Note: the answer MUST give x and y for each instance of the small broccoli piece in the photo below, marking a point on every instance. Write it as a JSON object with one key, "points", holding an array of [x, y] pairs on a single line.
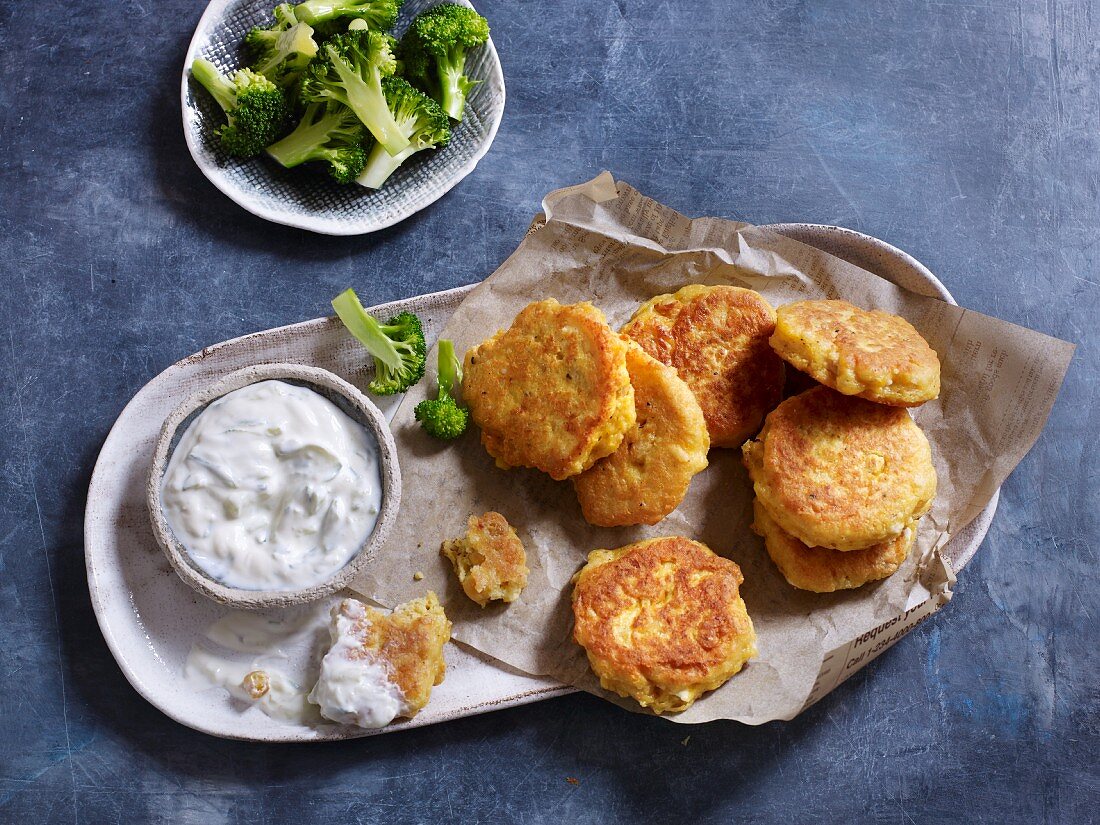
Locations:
{"points": [[328, 133], [397, 346], [379, 14], [433, 52], [441, 417], [282, 52], [421, 121], [254, 106], [349, 69]]}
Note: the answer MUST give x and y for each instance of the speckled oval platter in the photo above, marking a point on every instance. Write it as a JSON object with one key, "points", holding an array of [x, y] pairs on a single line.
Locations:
{"points": [[306, 198], [151, 619]]}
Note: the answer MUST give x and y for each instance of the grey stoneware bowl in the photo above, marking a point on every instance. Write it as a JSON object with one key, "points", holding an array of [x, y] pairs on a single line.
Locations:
{"points": [[307, 198], [343, 395]]}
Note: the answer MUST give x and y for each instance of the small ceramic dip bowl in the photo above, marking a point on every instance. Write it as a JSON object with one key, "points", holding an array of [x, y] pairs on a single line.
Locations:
{"points": [[348, 399]]}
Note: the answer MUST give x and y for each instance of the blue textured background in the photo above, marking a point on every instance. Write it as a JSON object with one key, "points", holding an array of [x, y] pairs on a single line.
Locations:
{"points": [[966, 134]]}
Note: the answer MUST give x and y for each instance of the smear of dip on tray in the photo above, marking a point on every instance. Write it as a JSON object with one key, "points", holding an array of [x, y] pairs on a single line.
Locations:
{"points": [[265, 660], [261, 683], [272, 487]]}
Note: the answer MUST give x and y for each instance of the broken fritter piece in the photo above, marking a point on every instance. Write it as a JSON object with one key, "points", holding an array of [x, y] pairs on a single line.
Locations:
{"points": [[381, 665], [489, 560]]}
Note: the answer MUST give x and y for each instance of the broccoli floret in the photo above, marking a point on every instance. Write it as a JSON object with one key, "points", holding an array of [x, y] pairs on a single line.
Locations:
{"points": [[329, 133], [421, 121], [282, 52], [379, 14], [329, 28], [349, 69], [254, 106], [433, 52], [397, 346], [441, 417]]}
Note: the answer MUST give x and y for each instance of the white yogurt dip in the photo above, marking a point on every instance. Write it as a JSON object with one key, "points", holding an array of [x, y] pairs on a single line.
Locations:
{"points": [[354, 688], [272, 487], [261, 684]]}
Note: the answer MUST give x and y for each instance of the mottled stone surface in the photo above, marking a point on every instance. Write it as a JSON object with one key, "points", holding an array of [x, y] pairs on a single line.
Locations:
{"points": [[967, 134]]}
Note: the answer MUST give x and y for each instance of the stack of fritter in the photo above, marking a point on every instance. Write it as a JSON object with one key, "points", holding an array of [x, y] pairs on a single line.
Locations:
{"points": [[841, 472]]}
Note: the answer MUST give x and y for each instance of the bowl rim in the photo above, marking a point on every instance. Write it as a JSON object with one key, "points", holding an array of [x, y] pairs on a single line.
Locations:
{"points": [[369, 416], [323, 226]]}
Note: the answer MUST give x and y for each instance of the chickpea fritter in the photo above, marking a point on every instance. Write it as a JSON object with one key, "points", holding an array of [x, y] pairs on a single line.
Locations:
{"points": [[866, 352], [662, 621], [647, 477], [716, 337], [822, 569], [551, 392], [489, 560], [838, 471]]}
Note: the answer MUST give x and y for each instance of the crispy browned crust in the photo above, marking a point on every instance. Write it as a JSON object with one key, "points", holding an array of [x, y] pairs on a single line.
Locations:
{"points": [[647, 477], [489, 560], [662, 620], [822, 569], [551, 392], [409, 642], [838, 471], [717, 339], [869, 353]]}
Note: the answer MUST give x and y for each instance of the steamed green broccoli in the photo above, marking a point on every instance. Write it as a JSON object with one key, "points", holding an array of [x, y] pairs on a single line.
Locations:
{"points": [[441, 417], [282, 52], [433, 52], [329, 28], [421, 121], [254, 106], [397, 346], [329, 133], [379, 14], [349, 69]]}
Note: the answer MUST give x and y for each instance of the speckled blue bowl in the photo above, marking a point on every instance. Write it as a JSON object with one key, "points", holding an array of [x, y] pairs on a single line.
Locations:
{"points": [[309, 199]]}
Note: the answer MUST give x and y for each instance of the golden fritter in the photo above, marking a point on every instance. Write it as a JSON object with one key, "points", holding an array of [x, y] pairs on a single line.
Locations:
{"points": [[382, 665], [552, 391], [662, 621], [822, 569], [489, 560], [838, 471], [869, 353], [717, 339], [410, 640], [646, 478]]}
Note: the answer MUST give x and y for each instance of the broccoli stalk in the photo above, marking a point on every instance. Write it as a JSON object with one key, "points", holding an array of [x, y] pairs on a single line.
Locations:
{"points": [[282, 52], [379, 14], [329, 133], [420, 120], [453, 83], [441, 417], [434, 53], [349, 69], [254, 106], [397, 346]]}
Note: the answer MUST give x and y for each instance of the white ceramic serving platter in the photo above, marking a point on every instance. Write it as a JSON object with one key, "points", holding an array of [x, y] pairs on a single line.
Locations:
{"points": [[151, 619], [307, 198]]}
